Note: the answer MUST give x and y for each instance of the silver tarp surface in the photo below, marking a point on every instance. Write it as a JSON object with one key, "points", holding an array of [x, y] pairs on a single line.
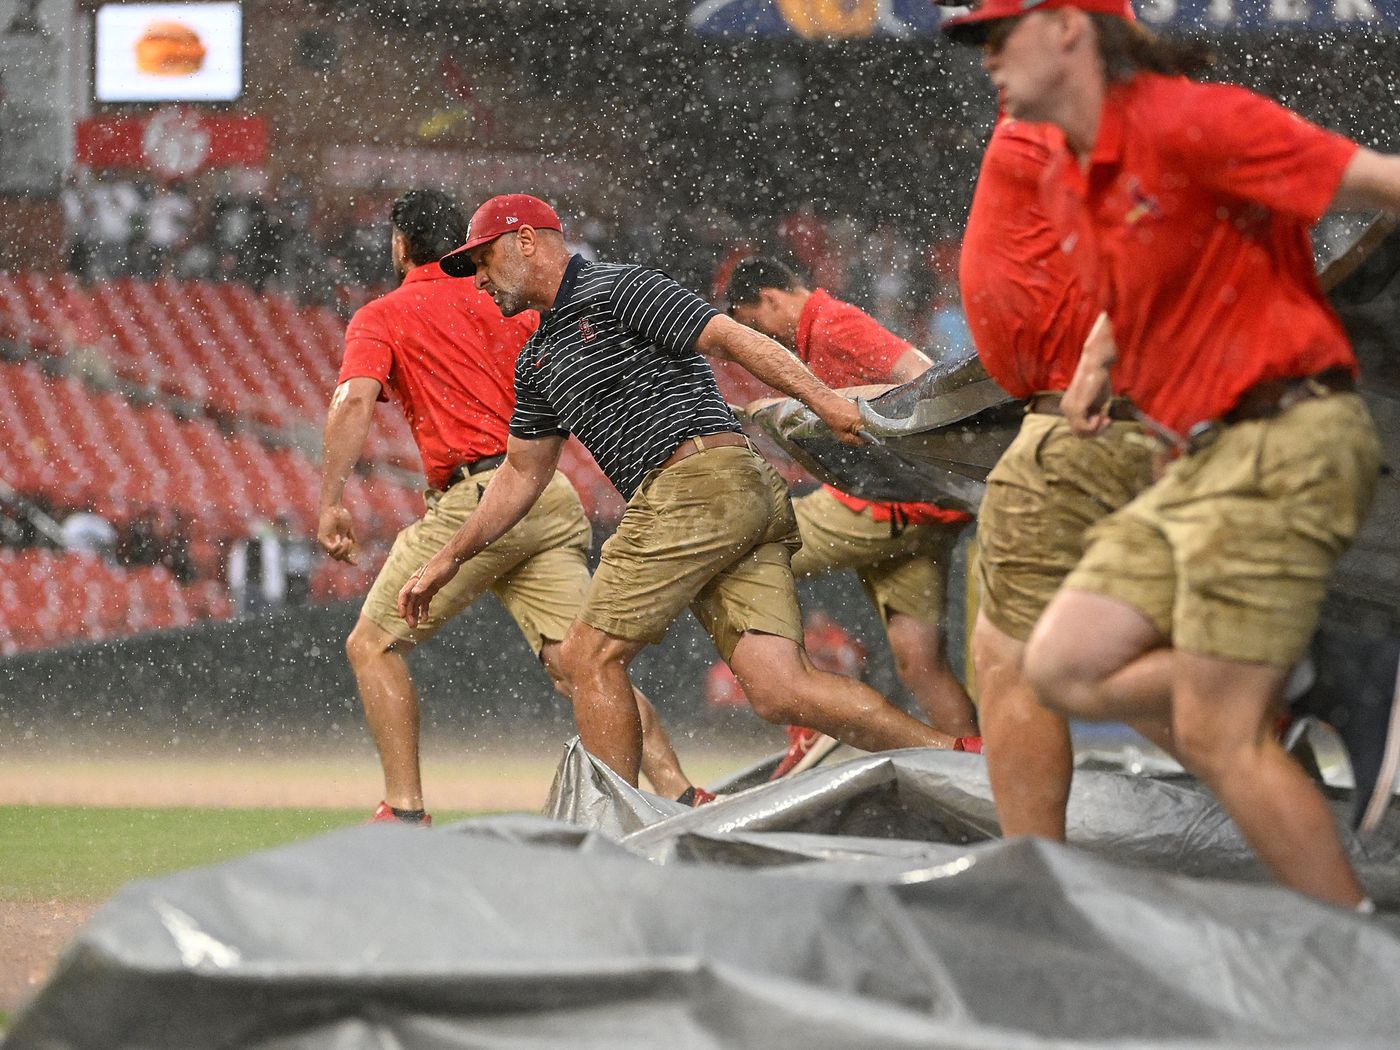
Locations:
{"points": [[859, 905]]}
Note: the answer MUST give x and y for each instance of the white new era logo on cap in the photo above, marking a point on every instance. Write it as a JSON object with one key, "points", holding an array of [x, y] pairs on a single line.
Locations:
{"points": [[511, 219]]}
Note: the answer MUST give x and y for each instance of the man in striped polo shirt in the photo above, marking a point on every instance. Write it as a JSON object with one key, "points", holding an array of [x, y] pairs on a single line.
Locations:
{"points": [[617, 361], [447, 355]]}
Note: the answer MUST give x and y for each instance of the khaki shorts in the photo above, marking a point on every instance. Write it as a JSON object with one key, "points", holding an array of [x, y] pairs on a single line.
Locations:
{"points": [[1229, 554], [1047, 489], [905, 572], [716, 533], [538, 570]]}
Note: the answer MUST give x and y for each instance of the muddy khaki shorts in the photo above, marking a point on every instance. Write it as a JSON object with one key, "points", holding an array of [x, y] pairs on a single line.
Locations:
{"points": [[1230, 552], [538, 570], [714, 532], [1047, 489], [904, 571]]}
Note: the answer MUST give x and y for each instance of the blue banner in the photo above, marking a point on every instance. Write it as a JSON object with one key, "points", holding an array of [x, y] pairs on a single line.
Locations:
{"points": [[1269, 15], [815, 19], [839, 19]]}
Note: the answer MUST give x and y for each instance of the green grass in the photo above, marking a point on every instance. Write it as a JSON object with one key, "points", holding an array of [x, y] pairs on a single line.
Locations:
{"points": [[86, 853]]}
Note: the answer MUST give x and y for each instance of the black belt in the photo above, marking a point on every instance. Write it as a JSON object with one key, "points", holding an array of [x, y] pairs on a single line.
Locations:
{"points": [[1267, 399], [481, 466], [1271, 398], [1119, 408]]}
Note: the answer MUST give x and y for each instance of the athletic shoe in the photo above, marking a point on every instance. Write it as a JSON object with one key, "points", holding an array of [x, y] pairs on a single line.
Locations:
{"points": [[1355, 692], [806, 747], [384, 814], [971, 744], [695, 796]]}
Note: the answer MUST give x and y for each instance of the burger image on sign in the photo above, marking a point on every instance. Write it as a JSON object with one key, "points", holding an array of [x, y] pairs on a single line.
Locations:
{"points": [[169, 49]]}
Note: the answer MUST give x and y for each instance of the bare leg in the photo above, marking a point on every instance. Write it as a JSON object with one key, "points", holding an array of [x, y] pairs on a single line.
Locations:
{"points": [[1030, 761], [1221, 716], [605, 705], [784, 688], [660, 764], [1100, 659], [390, 702], [1224, 719], [918, 659]]}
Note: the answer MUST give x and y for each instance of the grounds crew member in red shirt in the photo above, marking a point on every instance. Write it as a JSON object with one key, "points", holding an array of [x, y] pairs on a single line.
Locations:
{"points": [[1029, 314], [900, 551], [617, 361], [1189, 205], [446, 353]]}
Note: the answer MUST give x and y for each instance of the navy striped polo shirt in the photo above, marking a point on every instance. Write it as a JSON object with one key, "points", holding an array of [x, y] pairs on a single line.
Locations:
{"points": [[614, 362]]}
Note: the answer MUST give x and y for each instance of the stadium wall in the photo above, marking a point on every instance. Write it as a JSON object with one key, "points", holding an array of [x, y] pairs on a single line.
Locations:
{"points": [[285, 675]]}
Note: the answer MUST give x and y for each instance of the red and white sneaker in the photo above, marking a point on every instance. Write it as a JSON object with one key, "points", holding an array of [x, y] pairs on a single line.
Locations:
{"points": [[384, 814], [695, 796], [971, 744], [806, 747]]}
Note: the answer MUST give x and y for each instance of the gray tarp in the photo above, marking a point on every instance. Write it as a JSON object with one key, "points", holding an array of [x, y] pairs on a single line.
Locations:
{"points": [[859, 905]]}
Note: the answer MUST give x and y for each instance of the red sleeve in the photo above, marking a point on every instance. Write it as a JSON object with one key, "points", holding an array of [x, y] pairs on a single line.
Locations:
{"points": [[1018, 153], [1249, 147], [877, 348], [860, 347], [368, 354]]}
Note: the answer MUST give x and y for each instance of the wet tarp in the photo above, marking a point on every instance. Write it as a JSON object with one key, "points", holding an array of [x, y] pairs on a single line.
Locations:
{"points": [[935, 437], [859, 905]]}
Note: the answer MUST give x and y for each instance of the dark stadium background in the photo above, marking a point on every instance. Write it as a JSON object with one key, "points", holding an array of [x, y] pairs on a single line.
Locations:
{"points": [[657, 144]]}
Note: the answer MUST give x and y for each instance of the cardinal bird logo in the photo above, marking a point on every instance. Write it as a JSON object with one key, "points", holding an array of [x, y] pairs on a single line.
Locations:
{"points": [[1144, 206]]}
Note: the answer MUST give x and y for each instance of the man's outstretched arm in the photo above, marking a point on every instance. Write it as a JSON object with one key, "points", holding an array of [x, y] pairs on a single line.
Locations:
{"points": [[1370, 182], [510, 494], [347, 426], [726, 339]]}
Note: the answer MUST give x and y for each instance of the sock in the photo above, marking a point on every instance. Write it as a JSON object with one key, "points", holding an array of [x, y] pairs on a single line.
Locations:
{"points": [[409, 816], [1366, 907]]}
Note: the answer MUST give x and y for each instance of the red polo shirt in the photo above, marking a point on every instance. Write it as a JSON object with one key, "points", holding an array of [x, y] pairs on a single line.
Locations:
{"points": [[444, 350], [845, 346], [1026, 306], [1195, 210]]}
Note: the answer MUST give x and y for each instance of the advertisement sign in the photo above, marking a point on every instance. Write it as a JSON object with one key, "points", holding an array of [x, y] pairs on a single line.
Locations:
{"points": [[845, 19], [814, 19], [173, 142], [168, 52], [1270, 15]]}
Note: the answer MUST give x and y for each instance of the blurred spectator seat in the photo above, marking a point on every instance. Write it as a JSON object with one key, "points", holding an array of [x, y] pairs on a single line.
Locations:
{"points": [[49, 597]]}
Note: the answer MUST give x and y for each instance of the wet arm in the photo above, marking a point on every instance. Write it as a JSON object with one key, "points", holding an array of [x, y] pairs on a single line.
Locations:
{"points": [[347, 427], [728, 340], [1371, 182]]}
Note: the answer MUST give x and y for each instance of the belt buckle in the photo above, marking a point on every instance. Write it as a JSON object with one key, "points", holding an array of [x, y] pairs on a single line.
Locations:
{"points": [[1317, 388], [1203, 435]]}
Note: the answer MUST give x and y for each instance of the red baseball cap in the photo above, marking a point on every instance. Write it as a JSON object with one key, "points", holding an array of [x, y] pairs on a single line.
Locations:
{"points": [[500, 215], [972, 28]]}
